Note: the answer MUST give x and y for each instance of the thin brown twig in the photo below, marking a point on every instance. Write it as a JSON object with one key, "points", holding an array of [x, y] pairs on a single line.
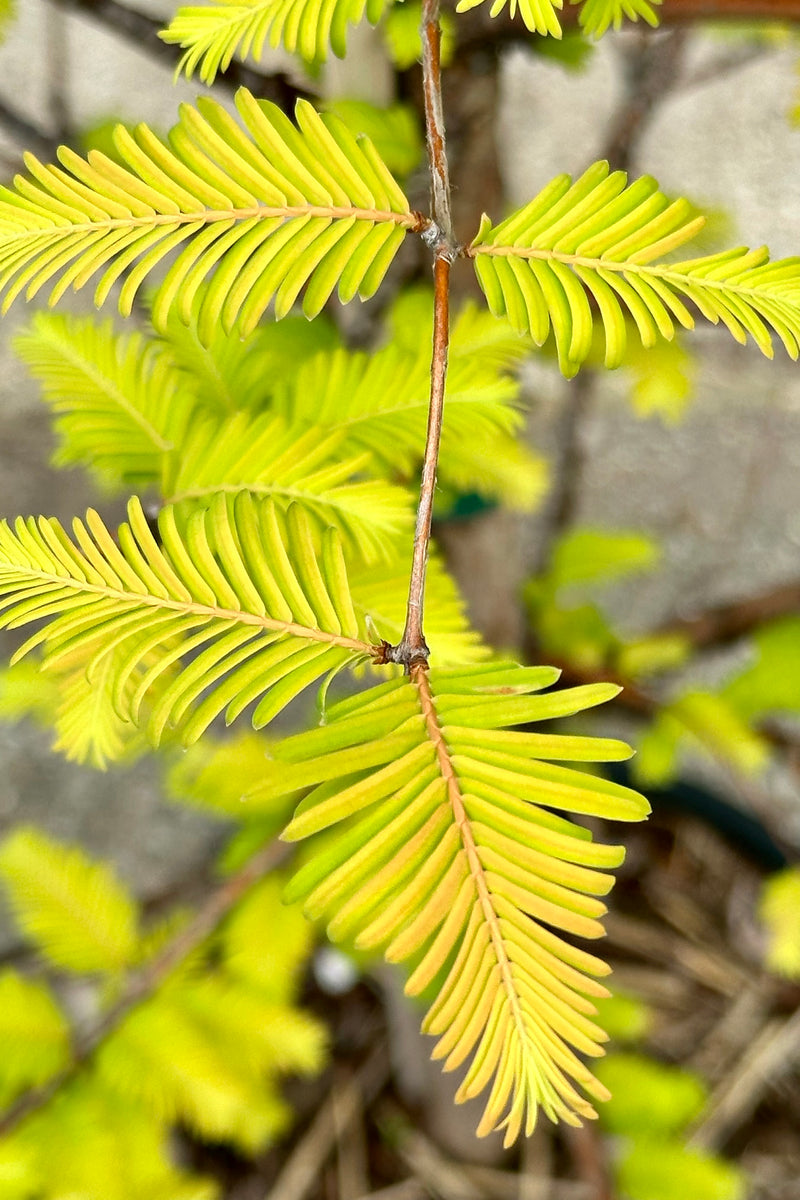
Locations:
{"points": [[143, 983], [412, 648], [736, 1097], [304, 1165]]}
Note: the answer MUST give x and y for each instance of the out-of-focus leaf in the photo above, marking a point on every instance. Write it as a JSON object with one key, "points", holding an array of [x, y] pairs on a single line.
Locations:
{"points": [[648, 1097], [625, 1018], [719, 728], [34, 1037], [75, 910], [401, 30], [772, 683], [656, 760], [651, 655], [653, 1170], [779, 910], [662, 378], [587, 556], [394, 131]]}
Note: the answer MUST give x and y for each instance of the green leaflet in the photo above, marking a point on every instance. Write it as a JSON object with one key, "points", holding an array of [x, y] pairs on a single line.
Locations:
{"points": [[88, 1142], [33, 1034], [75, 911], [211, 34], [378, 403], [118, 400], [228, 372], [596, 16], [261, 208], [213, 1038], [262, 626], [598, 237], [127, 412], [447, 854], [292, 464], [539, 16]]}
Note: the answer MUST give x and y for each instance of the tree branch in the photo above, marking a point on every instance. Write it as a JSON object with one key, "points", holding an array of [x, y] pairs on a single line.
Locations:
{"points": [[727, 622], [143, 984], [412, 649], [142, 31]]}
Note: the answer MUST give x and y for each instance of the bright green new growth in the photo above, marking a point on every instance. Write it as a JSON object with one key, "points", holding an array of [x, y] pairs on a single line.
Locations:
{"points": [[207, 1050], [266, 210], [212, 33], [599, 238]]}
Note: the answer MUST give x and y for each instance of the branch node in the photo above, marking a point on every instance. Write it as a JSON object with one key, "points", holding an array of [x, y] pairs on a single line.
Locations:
{"points": [[406, 654]]}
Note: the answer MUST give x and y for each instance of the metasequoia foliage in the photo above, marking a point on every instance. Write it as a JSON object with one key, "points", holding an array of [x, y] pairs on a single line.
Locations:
{"points": [[207, 1049], [273, 563]]}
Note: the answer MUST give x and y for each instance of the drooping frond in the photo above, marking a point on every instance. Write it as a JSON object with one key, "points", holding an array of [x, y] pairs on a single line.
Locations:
{"points": [[213, 32], [292, 464], [379, 402], [596, 16], [74, 910], [120, 403], [261, 211], [539, 16], [451, 859], [598, 239], [261, 623]]}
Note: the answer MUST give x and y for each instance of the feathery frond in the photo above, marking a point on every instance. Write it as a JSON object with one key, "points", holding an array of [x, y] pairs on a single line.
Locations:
{"points": [[596, 16], [599, 238], [261, 624], [34, 1036], [539, 16], [212, 33], [262, 211], [74, 910], [379, 403], [450, 858], [90, 1142], [228, 372], [267, 457], [119, 401], [90, 723]]}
